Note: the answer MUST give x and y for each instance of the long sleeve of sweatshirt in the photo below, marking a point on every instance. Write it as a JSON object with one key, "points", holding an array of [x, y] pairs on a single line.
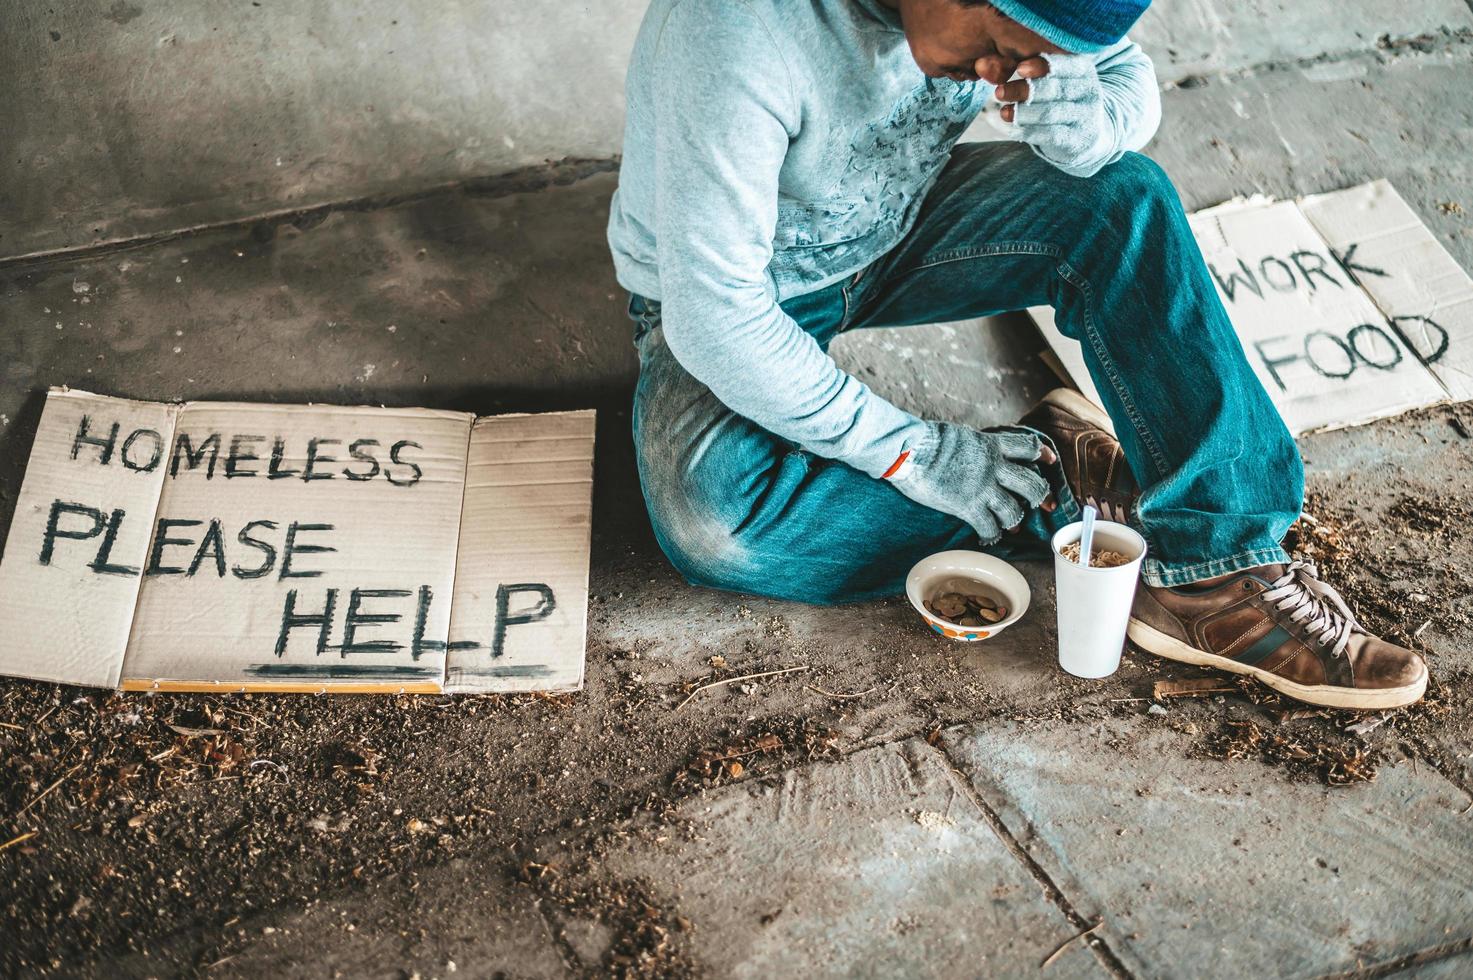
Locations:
{"points": [[1132, 96], [726, 109]]}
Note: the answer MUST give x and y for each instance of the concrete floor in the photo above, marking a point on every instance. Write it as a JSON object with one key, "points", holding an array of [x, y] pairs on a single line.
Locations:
{"points": [[981, 809]]}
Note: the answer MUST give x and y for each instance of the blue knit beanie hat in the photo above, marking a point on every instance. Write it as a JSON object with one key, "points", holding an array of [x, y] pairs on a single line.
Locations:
{"points": [[1077, 26]]}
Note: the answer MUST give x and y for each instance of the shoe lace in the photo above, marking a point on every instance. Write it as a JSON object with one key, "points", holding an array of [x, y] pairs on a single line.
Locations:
{"points": [[1314, 604]]}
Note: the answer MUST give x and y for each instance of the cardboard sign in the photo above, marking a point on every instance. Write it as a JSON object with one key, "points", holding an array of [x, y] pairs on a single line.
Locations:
{"points": [[1348, 309], [231, 546]]}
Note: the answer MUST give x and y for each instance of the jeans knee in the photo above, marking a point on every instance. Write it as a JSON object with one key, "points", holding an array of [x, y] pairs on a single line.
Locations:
{"points": [[706, 548], [1139, 175], [1131, 202], [713, 554], [693, 520], [1134, 183]]}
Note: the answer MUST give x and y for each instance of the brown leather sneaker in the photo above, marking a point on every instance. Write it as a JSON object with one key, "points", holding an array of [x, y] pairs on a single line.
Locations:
{"points": [[1093, 461], [1284, 626]]}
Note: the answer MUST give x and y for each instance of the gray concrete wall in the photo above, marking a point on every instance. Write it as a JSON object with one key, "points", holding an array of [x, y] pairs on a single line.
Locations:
{"points": [[125, 118], [131, 117]]}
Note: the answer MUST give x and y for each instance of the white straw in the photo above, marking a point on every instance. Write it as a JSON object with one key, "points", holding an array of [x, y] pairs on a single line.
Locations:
{"points": [[1086, 539]]}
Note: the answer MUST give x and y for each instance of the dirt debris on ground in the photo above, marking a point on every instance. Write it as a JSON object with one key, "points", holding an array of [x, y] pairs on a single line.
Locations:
{"points": [[1368, 561], [1336, 762], [802, 740], [1381, 568], [169, 831], [647, 937]]}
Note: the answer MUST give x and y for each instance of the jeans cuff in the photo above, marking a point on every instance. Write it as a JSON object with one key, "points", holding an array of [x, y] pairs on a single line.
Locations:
{"points": [[1161, 575]]}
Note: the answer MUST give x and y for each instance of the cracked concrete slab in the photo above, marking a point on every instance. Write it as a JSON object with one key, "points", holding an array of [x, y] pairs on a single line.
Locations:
{"points": [[877, 865], [1201, 37], [1172, 850], [1405, 114], [1458, 966], [981, 372]]}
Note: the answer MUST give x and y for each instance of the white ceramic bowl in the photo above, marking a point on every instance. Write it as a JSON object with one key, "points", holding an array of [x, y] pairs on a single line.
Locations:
{"points": [[944, 571]]}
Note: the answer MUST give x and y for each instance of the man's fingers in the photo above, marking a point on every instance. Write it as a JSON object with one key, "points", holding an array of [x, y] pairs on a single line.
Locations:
{"points": [[1008, 512], [1020, 445], [1023, 482], [993, 68], [1032, 68], [1015, 91], [1047, 457], [1006, 113]]}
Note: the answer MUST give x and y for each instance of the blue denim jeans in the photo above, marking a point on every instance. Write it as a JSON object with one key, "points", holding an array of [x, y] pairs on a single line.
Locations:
{"points": [[735, 507]]}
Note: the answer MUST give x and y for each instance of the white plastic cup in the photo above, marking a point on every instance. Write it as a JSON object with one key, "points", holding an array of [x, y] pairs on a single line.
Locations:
{"points": [[1093, 602]]}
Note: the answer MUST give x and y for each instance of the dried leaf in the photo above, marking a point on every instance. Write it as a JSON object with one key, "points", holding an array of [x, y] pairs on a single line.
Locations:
{"points": [[1368, 724], [196, 732]]}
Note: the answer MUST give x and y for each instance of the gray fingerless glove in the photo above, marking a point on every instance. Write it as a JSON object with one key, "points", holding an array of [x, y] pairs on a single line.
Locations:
{"points": [[984, 478], [1065, 118]]}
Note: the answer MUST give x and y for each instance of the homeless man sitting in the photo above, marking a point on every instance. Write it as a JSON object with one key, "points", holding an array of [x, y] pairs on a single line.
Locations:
{"points": [[791, 171]]}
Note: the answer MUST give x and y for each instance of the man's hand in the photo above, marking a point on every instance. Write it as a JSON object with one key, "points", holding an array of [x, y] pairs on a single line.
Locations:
{"points": [[1057, 106], [987, 478], [1017, 90]]}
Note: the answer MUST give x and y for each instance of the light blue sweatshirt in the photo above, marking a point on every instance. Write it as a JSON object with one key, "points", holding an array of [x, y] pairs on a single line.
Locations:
{"points": [[772, 148]]}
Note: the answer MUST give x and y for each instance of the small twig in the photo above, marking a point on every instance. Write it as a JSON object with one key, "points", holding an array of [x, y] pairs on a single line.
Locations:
{"points": [[1193, 688], [23, 837], [1123, 700], [831, 694], [47, 790], [733, 680], [1068, 942], [1421, 629], [48, 714], [735, 755], [6, 724]]}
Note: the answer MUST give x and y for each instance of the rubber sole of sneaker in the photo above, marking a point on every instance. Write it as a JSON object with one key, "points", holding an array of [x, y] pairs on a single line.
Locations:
{"points": [[1152, 640], [1076, 404]]}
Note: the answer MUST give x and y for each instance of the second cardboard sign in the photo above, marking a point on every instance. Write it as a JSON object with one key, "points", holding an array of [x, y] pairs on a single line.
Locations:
{"points": [[1348, 308]]}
